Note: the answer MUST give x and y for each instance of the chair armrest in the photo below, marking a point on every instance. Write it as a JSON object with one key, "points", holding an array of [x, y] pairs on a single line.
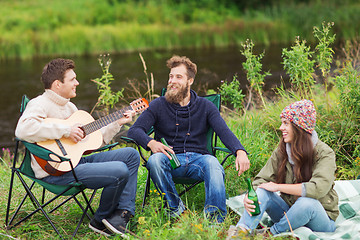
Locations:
{"points": [[229, 154], [130, 140], [109, 146], [42, 152], [222, 149]]}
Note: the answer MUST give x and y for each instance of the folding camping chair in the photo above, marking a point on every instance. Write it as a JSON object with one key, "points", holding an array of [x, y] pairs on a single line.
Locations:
{"points": [[24, 171], [212, 146]]}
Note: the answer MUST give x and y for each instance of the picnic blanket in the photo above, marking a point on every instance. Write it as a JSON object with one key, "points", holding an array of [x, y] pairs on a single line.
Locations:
{"points": [[347, 224]]}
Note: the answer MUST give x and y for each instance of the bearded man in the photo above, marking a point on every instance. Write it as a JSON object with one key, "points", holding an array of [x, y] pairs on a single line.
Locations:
{"points": [[183, 119]]}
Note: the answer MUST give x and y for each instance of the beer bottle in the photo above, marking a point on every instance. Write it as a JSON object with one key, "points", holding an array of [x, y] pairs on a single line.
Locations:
{"points": [[174, 161], [253, 196]]}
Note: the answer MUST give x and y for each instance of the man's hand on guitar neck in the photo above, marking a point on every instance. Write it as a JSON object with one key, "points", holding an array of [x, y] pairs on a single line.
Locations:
{"points": [[128, 115], [76, 133]]}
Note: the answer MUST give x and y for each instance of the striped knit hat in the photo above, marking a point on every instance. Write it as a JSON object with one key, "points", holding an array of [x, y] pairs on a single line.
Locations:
{"points": [[302, 114]]}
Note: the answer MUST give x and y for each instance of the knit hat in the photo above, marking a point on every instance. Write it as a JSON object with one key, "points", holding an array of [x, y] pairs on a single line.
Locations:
{"points": [[302, 114]]}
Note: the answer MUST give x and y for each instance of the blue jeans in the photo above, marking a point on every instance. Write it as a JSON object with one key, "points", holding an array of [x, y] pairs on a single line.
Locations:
{"points": [[115, 171], [193, 166], [306, 212]]}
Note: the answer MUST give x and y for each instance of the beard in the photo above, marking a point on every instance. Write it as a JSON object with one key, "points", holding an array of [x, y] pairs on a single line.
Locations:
{"points": [[176, 96]]}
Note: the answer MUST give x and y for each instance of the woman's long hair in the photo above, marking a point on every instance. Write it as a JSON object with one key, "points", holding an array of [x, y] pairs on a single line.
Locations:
{"points": [[302, 150]]}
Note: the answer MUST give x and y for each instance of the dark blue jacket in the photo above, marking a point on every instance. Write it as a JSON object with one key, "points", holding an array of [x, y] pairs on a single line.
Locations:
{"points": [[184, 128]]}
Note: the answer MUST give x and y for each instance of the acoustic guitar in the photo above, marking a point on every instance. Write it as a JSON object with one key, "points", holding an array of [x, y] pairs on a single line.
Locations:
{"points": [[93, 137]]}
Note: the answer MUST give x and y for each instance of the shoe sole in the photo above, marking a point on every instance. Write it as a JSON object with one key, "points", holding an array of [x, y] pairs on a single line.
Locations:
{"points": [[113, 229], [99, 231]]}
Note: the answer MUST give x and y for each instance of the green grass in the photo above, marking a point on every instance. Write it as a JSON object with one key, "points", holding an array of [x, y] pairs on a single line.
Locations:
{"points": [[152, 223], [53, 28], [257, 131]]}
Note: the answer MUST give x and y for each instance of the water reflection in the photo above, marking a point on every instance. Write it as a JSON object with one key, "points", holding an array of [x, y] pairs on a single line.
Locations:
{"points": [[214, 65]]}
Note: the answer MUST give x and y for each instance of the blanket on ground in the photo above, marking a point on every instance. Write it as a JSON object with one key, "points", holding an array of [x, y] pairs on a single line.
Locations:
{"points": [[347, 224]]}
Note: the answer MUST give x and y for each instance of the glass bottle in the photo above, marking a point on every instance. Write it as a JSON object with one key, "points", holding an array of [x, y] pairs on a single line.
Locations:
{"points": [[253, 196], [174, 161]]}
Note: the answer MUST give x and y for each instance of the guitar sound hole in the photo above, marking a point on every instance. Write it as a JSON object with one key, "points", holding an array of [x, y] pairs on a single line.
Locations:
{"points": [[55, 158]]}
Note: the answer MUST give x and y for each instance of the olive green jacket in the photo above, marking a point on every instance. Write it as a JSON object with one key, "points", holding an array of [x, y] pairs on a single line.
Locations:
{"points": [[321, 184]]}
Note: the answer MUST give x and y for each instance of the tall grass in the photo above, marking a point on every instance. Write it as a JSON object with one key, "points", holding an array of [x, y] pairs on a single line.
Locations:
{"points": [[257, 130], [51, 28], [337, 125]]}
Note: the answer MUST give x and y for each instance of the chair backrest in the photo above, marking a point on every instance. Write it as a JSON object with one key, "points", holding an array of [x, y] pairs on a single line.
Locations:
{"points": [[32, 148], [24, 102], [211, 137]]}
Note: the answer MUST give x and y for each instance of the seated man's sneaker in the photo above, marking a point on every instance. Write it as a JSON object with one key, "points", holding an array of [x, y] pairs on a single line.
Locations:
{"points": [[118, 222], [99, 227]]}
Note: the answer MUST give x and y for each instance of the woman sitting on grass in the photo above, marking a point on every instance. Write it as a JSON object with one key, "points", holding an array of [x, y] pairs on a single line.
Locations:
{"points": [[302, 169]]}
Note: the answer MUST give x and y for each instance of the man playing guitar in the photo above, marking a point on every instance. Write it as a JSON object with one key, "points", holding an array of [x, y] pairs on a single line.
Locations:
{"points": [[115, 171]]}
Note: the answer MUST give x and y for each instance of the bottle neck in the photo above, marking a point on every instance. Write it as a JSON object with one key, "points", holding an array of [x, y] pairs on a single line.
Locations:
{"points": [[250, 187]]}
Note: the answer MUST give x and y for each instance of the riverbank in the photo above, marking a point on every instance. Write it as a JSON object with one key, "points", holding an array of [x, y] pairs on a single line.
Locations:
{"points": [[54, 28], [337, 124]]}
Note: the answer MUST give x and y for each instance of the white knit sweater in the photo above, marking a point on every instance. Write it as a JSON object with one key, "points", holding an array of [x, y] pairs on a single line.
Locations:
{"points": [[31, 127]]}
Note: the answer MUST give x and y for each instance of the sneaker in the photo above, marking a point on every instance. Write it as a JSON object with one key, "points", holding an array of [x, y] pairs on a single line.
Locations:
{"points": [[118, 222], [99, 227], [175, 214], [232, 232], [236, 233], [265, 232]]}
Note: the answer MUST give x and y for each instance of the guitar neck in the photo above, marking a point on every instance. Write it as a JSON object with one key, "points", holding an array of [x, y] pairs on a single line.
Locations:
{"points": [[104, 121]]}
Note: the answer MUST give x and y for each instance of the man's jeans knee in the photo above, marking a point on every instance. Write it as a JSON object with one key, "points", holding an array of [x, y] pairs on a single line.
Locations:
{"points": [[193, 166]]}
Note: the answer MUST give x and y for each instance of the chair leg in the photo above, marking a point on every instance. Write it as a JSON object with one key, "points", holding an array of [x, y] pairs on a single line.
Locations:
{"points": [[88, 204], [224, 160], [11, 183], [61, 204], [84, 211], [39, 207], [19, 207], [189, 187], [146, 193], [90, 201], [9, 198], [43, 196]]}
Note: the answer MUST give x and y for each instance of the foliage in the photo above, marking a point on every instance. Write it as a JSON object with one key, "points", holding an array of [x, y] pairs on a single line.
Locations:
{"points": [[299, 66], [6, 156], [337, 125], [343, 119], [107, 98], [325, 53], [231, 93], [349, 92], [52, 28], [298, 63], [253, 67]]}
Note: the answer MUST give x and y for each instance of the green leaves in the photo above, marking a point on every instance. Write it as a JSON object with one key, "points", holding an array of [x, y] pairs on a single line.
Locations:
{"points": [[325, 53], [299, 66], [107, 98], [253, 68], [348, 83], [231, 93], [299, 61]]}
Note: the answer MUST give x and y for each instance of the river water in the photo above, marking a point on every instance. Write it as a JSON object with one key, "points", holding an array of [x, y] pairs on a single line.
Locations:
{"points": [[214, 66]]}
